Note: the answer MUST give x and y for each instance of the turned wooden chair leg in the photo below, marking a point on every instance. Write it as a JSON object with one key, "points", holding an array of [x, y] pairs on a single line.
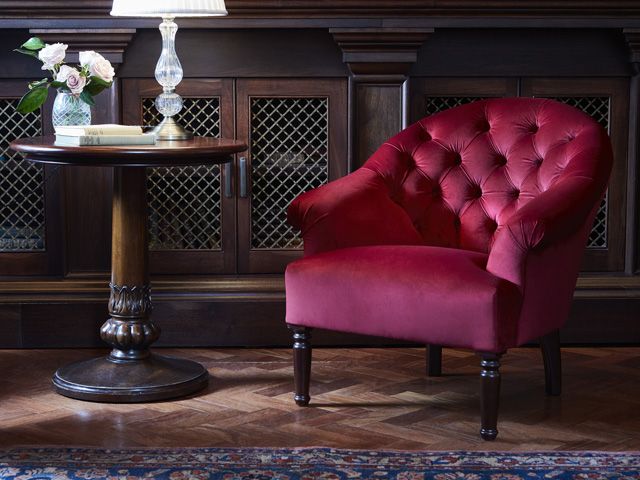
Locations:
{"points": [[489, 394], [301, 364], [434, 360], [550, 345]]}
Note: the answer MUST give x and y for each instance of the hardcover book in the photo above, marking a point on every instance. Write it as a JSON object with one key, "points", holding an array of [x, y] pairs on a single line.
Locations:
{"points": [[88, 140], [105, 129]]}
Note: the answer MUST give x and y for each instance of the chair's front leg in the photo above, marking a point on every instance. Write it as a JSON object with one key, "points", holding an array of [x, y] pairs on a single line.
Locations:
{"points": [[434, 360], [489, 394], [301, 363]]}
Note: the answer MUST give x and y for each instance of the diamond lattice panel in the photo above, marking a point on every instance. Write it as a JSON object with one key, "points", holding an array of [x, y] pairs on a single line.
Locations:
{"points": [[185, 211], [599, 108], [289, 155], [22, 219]]}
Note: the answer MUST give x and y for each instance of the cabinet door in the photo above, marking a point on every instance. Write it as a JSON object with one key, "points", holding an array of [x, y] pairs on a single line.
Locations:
{"points": [[192, 217], [297, 136], [606, 100], [30, 218], [432, 95]]}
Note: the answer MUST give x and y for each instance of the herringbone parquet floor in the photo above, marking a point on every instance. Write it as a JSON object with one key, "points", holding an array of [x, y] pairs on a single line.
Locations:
{"points": [[361, 398]]}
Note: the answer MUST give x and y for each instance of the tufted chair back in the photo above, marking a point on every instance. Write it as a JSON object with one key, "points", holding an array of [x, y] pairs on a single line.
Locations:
{"points": [[460, 175]]}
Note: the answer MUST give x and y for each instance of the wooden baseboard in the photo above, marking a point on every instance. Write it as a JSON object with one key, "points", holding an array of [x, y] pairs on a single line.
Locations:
{"points": [[250, 310]]}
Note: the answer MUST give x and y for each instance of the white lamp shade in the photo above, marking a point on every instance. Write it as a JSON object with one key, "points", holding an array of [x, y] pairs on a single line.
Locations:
{"points": [[173, 8]]}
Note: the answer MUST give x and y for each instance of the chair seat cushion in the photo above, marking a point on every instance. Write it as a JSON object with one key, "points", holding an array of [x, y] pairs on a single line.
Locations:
{"points": [[420, 293]]}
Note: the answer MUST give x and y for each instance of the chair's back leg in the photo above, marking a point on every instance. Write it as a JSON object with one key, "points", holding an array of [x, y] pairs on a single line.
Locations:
{"points": [[489, 394], [550, 345], [434, 360], [301, 363]]}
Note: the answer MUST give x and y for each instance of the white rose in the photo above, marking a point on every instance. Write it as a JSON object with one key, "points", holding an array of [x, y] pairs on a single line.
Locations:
{"points": [[76, 82], [64, 72], [102, 68], [52, 55], [88, 57]]}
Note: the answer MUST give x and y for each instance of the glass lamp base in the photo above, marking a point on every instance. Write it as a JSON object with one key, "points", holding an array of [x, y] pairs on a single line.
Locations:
{"points": [[169, 129]]}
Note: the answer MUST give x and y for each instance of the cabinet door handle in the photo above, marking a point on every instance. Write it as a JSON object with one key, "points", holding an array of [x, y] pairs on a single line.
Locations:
{"points": [[228, 193], [243, 177]]}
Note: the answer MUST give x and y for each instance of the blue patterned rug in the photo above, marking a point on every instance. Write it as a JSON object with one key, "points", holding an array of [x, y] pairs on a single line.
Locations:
{"points": [[309, 464]]}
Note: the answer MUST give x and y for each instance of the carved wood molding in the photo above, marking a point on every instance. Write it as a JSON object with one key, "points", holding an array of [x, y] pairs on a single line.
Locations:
{"points": [[360, 8], [130, 301], [380, 51], [110, 42]]}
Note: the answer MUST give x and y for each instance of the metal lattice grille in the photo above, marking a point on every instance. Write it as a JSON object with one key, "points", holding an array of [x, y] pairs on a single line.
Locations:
{"points": [[289, 155], [22, 218], [185, 211], [438, 104], [599, 108]]}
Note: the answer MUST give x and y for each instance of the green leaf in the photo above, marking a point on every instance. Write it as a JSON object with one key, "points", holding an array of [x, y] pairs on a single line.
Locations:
{"points": [[33, 100], [34, 43], [39, 83], [86, 97], [31, 53], [100, 81], [97, 85], [57, 84]]}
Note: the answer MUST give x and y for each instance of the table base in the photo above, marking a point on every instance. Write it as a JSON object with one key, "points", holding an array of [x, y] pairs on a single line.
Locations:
{"points": [[154, 378]]}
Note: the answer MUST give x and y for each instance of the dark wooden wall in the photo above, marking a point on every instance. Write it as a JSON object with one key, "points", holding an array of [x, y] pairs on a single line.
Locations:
{"points": [[378, 66]]}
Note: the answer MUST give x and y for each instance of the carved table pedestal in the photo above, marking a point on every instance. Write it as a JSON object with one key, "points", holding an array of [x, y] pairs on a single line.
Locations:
{"points": [[131, 373]]}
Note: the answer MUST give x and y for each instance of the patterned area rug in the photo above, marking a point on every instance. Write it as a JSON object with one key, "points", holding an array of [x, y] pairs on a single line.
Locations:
{"points": [[310, 464]]}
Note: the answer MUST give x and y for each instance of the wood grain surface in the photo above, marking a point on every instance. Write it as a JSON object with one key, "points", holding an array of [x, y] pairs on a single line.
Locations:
{"points": [[360, 398]]}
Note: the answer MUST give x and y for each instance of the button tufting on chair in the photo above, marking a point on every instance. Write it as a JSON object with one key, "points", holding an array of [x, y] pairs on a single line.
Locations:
{"points": [[424, 136], [484, 126], [400, 249]]}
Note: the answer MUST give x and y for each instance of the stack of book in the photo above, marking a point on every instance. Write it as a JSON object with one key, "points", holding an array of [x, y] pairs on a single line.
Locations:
{"points": [[107, 134]]}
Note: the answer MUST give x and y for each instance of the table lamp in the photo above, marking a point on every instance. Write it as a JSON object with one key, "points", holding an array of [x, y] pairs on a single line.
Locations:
{"points": [[168, 69]]}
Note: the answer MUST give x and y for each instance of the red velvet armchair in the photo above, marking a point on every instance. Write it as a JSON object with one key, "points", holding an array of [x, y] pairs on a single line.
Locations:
{"points": [[466, 230]]}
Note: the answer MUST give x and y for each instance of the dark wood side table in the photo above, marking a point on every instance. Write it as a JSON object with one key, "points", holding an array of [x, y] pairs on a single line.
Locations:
{"points": [[131, 373]]}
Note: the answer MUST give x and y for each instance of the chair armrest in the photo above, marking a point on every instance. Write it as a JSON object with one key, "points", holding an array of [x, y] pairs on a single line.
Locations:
{"points": [[355, 210], [551, 218]]}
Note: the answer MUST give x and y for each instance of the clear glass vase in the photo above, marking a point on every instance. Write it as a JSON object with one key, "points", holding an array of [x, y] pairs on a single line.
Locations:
{"points": [[68, 109]]}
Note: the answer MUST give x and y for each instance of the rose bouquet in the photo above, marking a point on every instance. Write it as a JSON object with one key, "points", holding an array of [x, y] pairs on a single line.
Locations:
{"points": [[91, 77]]}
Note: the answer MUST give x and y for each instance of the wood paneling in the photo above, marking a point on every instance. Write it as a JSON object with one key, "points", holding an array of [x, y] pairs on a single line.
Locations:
{"points": [[374, 127], [10, 335]]}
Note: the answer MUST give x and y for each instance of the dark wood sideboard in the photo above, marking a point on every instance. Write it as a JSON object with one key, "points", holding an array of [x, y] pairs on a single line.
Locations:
{"points": [[312, 88]]}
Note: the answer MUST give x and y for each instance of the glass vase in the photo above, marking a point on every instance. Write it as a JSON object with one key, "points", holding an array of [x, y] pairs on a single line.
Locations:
{"points": [[68, 109]]}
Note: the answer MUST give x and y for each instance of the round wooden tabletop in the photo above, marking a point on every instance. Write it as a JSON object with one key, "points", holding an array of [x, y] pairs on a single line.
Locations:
{"points": [[198, 151]]}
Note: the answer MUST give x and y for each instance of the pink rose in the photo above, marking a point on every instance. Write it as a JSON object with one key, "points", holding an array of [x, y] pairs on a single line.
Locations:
{"points": [[102, 68], [64, 72], [75, 81], [97, 65]]}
